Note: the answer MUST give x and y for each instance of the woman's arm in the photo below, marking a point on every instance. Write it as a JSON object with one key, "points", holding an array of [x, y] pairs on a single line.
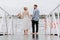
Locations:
{"points": [[28, 15], [19, 15], [22, 16]]}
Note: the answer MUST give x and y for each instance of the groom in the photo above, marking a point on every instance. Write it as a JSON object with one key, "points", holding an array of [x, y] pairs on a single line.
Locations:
{"points": [[35, 19]]}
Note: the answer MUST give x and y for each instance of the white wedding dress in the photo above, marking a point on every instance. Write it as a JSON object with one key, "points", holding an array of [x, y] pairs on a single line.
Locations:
{"points": [[26, 22]]}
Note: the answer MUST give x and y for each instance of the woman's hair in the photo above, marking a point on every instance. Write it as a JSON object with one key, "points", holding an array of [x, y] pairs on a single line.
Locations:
{"points": [[25, 8]]}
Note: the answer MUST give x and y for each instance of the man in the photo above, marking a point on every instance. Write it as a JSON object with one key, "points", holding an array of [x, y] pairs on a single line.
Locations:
{"points": [[35, 19]]}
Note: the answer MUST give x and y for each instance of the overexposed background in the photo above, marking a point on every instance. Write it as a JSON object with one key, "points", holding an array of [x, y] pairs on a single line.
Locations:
{"points": [[16, 6], [13, 7]]}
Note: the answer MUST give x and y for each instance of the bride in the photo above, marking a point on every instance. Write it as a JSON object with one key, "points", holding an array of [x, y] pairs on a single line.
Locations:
{"points": [[25, 15]]}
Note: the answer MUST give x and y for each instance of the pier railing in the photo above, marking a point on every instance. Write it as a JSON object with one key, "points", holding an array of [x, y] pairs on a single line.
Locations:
{"points": [[54, 22], [11, 23]]}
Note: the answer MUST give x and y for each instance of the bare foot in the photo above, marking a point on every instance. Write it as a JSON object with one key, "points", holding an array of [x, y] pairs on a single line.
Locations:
{"points": [[33, 33], [25, 34], [36, 33]]}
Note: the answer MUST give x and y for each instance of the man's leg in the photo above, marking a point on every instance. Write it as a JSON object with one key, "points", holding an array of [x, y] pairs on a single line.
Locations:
{"points": [[36, 26], [33, 27]]}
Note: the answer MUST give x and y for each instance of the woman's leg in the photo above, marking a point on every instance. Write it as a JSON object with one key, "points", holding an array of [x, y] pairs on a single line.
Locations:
{"points": [[26, 32]]}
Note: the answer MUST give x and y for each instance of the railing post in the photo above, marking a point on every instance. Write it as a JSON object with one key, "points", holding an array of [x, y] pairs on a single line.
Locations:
{"points": [[6, 24], [12, 25]]}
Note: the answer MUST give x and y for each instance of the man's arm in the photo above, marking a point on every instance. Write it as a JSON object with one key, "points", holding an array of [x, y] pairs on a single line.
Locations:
{"points": [[38, 13]]}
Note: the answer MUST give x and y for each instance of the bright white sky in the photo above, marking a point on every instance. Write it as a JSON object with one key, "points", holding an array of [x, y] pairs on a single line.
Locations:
{"points": [[16, 6]]}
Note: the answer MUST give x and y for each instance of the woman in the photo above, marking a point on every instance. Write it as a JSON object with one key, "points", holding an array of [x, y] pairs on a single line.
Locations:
{"points": [[25, 16]]}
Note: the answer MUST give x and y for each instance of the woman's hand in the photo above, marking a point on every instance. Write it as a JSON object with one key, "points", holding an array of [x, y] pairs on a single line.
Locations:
{"points": [[19, 15]]}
